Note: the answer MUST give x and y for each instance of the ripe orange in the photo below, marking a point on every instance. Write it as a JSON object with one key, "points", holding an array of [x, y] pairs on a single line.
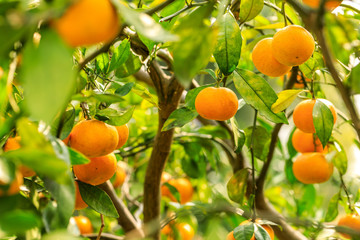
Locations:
{"points": [[351, 221], [304, 142], [66, 140], [303, 117], [120, 176], [329, 5], [84, 224], [312, 168], [185, 230], [264, 60], [79, 202], [267, 228], [183, 186], [13, 144], [88, 22], [14, 187], [94, 138], [293, 45], [123, 132], [98, 170], [216, 103]]}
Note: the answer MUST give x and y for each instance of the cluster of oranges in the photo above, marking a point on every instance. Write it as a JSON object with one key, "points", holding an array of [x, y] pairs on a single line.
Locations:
{"points": [[290, 46], [311, 166], [182, 185], [98, 145], [185, 231]]}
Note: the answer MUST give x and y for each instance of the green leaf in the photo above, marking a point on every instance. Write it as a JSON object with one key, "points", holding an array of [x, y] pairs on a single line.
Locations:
{"points": [[340, 160], [237, 185], [131, 66], [197, 41], [77, 158], [173, 191], [261, 141], [285, 99], [144, 24], [260, 233], [179, 118], [48, 77], [63, 124], [97, 199], [239, 135], [64, 194], [291, 150], [12, 34], [115, 117], [194, 164], [289, 172], [323, 121], [244, 232], [228, 48], [101, 97], [120, 55], [307, 200], [354, 79], [19, 221], [332, 210], [192, 94], [102, 63], [249, 9], [257, 93], [125, 89], [145, 94]]}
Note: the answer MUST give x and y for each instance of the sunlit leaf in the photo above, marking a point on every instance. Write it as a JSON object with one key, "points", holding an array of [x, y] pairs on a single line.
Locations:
{"points": [[115, 117], [249, 9], [120, 55], [179, 118], [332, 210], [285, 99], [323, 121], [237, 185], [244, 231], [129, 67]]}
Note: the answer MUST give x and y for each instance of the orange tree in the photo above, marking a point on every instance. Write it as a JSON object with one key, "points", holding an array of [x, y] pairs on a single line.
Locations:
{"points": [[196, 102]]}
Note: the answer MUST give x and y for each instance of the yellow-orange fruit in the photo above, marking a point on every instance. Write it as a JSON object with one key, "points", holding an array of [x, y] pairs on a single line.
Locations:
{"points": [[84, 224], [329, 5], [88, 22], [66, 140], [304, 142], [123, 132], [312, 168], [79, 202], [351, 221], [120, 176], [293, 45], [264, 60], [26, 171], [303, 117], [185, 231], [216, 103], [14, 187], [183, 186], [98, 170], [94, 138], [267, 228]]}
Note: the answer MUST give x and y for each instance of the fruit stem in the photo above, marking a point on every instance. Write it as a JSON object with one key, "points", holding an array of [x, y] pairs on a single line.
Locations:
{"points": [[351, 208], [101, 227], [85, 108], [253, 217], [283, 12]]}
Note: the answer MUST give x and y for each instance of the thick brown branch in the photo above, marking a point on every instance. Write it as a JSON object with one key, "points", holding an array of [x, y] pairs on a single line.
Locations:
{"points": [[126, 220]]}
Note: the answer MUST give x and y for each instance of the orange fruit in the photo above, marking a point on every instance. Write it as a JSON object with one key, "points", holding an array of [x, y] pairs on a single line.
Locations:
{"points": [[13, 144], [79, 202], [267, 228], [94, 138], [216, 103], [88, 22], [183, 186], [185, 230], [14, 187], [120, 176], [312, 168], [329, 5], [264, 60], [304, 142], [352, 221], [303, 116], [293, 45], [66, 140], [98, 170], [84, 224], [123, 132], [165, 177]]}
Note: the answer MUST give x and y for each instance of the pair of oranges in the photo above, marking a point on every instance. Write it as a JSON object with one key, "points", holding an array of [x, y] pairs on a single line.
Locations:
{"points": [[182, 185], [311, 166]]}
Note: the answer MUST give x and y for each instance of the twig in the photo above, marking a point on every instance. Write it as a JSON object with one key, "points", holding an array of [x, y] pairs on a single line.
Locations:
{"points": [[283, 12], [12, 69], [276, 8], [351, 208], [187, 7], [253, 216], [350, 7], [101, 227], [104, 236], [85, 108], [159, 7]]}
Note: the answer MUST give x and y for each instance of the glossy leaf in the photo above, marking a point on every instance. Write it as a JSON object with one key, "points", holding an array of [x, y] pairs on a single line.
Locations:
{"points": [[115, 117], [173, 191], [340, 160], [63, 124], [47, 89], [194, 164], [131, 66], [125, 89], [102, 63], [239, 136], [145, 94], [120, 55], [77, 158], [102, 97], [323, 122], [332, 210], [249, 9], [237, 185], [257, 93], [244, 232], [228, 48], [285, 99], [179, 118], [260, 233], [261, 141], [289, 172], [97, 199]]}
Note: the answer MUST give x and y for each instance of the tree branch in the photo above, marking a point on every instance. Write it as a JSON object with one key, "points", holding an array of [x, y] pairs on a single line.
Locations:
{"points": [[159, 7]]}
